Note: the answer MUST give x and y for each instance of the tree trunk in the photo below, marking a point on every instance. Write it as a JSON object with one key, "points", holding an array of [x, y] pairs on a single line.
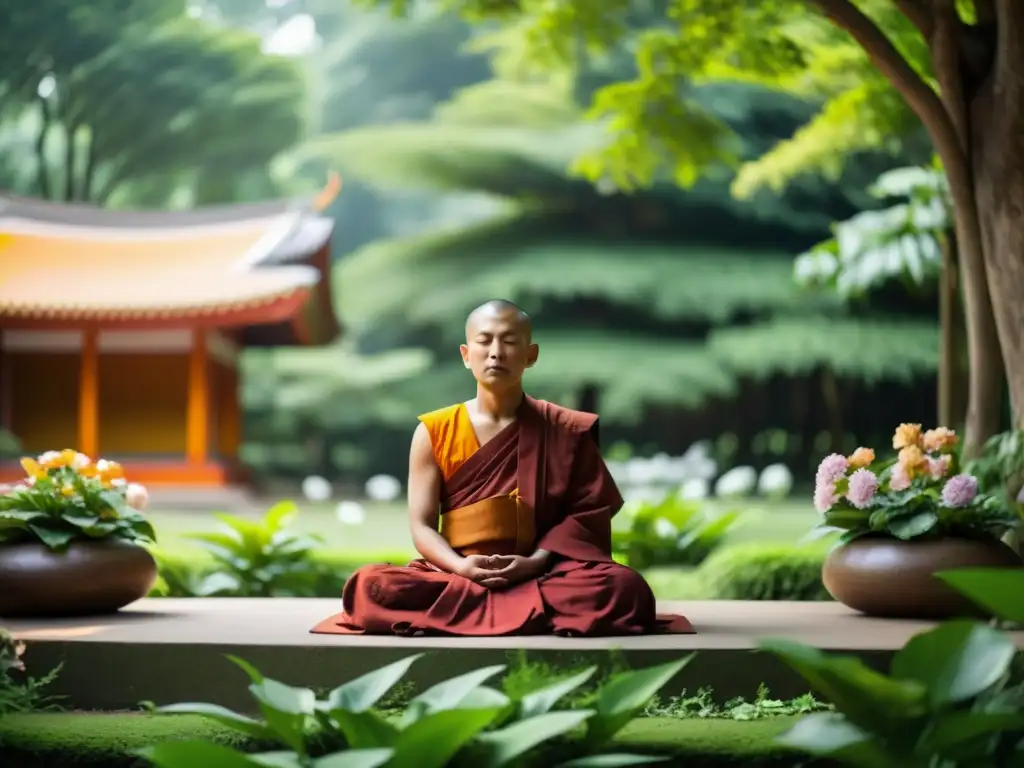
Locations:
{"points": [[954, 373], [998, 160]]}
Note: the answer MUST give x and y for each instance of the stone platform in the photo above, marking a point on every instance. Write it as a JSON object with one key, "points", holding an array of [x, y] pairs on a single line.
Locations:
{"points": [[172, 650]]}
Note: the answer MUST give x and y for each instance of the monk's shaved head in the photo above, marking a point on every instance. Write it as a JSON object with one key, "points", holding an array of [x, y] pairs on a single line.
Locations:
{"points": [[500, 308]]}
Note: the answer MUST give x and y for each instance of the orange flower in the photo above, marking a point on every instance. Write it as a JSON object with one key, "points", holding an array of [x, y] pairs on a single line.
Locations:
{"points": [[939, 439], [862, 457], [913, 460], [33, 468], [109, 471], [906, 435]]}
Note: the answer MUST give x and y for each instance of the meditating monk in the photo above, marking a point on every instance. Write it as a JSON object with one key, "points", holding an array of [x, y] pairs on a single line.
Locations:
{"points": [[510, 507]]}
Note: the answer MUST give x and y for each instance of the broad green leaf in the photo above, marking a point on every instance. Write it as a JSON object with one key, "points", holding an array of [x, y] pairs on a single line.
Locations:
{"points": [[954, 728], [254, 674], [365, 691], [365, 730], [277, 759], [541, 702], [354, 758], [956, 661], [53, 537], [280, 515], [484, 697], [217, 582], [191, 754], [829, 734], [870, 700], [81, 518], [999, 590], [612, 760], [287, 710], [623, 696], [911, 527], [449, 693], [220, 715], [498, 748], [434, 739]]}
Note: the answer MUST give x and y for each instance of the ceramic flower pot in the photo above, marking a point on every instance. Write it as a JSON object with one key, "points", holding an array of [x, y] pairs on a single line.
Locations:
{"points": [[889, 578], [89, 578]]}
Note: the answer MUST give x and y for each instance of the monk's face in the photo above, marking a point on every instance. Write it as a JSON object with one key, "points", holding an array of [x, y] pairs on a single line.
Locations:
{"points": [[498, 348]]}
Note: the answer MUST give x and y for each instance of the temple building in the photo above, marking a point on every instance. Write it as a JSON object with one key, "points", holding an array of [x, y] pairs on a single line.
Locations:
{"points": [[120, 332]]}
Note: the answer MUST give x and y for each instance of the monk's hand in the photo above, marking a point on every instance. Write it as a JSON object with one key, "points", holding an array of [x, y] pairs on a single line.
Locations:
{"points": [[483, 570], [516, 569]]}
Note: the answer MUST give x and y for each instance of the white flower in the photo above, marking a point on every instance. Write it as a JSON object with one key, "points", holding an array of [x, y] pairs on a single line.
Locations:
{"points": [[48, 456], [776, 481], [80, 461], [350, 513], [316, 488], [664, 529], [118, 482], [738, 482], [695, 489], [383, 488], [136, 496], [641, 494], [102, 465]]}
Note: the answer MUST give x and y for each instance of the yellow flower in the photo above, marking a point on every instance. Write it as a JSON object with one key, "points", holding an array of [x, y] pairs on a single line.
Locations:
{"points": [[939, 439], [67, 490], [862, 457], [906, 435], [33, 468], [913, 460], [108, 472], [56, 460]]}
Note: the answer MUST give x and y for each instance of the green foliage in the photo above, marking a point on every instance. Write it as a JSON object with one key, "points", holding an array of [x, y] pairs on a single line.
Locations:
{"points": [[252, 559], [872, 350], [673, 531], [948, 699], [147, 103], [458, 719], [18, 692], [901, 242], [657, 128], [764, 572], [702, 706], [70, 499]]}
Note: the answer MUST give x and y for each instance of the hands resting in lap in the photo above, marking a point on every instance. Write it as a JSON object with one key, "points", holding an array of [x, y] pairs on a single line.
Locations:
{"points": [[500, 571]]}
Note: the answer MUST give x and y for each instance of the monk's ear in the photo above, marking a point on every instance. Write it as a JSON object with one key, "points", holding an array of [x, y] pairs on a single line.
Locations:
{"points": [[464, 351], [532, 352]]}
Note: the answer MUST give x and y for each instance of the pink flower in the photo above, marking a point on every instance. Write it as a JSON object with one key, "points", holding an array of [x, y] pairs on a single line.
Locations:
{"points": [[136, 496], [6, 488], [938, 468], [959, 491], [832, 469], [899, 480], [825, 496], [863, 485]]}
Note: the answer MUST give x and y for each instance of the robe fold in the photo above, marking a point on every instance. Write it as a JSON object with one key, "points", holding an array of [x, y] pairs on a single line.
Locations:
{"points": [[540, 483]]}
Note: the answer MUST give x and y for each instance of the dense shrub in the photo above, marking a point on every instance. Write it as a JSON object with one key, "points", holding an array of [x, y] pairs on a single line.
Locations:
{"points": [[764, 572]]}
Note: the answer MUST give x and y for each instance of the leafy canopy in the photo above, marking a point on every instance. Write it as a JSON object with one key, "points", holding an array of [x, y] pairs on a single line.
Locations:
{"points": [[657, 129]]}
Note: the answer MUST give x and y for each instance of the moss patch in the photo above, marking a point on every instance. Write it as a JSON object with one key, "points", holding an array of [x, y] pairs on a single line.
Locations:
{"points": [[87, 740]]}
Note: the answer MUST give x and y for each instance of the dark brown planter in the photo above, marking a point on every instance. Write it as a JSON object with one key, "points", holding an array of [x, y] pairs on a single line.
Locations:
{"points": [[893, 579], [88, 579]]}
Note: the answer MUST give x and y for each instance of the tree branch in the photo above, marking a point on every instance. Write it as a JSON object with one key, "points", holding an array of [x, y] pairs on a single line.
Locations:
{"points": [[920, 97], [947, 65], [920, 15]]}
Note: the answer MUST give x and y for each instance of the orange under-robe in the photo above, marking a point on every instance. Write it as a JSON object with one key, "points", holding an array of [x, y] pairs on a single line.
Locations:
{"points": [[539, 484]]}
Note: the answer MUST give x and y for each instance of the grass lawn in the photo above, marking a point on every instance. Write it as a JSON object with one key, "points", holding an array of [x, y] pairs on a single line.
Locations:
{"points": [[385, 528]]}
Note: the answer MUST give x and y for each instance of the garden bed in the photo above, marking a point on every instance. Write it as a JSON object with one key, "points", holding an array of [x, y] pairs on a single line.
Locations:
{"points": [[97, 740]]}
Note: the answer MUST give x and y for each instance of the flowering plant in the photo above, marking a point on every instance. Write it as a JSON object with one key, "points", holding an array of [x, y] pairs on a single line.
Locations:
{"points": [[919, 493], [66, 496]]}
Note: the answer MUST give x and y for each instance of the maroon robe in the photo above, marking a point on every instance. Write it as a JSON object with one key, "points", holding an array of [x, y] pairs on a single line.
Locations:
{"points": [[550, 454]]}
